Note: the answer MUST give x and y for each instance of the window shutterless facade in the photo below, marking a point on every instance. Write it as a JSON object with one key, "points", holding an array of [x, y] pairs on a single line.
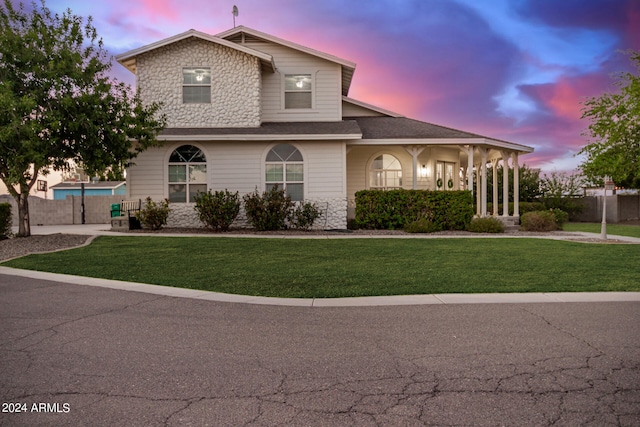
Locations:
{"points": [[187, 174], [284, 168], [196, 85], [298, 91]]}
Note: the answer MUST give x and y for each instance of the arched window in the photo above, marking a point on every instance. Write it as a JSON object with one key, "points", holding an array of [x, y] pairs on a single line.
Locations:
{"points": [[385, 173], [187, 174], [285, 169]]}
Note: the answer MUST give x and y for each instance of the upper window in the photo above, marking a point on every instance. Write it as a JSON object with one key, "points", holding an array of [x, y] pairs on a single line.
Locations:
{"points": [[385, 173], [187, 174], [284, 169], [297, 91], [196, 85]]}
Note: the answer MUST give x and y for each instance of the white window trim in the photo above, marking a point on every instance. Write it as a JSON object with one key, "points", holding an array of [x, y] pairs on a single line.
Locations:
{"points": [[304, 162], [209, 85], [314, 76], [166, 164]]}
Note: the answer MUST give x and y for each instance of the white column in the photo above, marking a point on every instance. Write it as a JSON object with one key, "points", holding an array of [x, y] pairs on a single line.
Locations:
{"points": [[477, 190], [470, 169], [516, 185], [505, 184], [483, 178], [415, 152], [494, 165]]}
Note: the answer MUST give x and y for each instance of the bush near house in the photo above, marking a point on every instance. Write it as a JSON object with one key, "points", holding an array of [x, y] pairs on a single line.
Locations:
{"points": [[538, 221], [304, 215], [268, 210], [154, 215], [421, 225], [393, 209], [5, 221], [219, 209], [274, 210], [486, 225]]}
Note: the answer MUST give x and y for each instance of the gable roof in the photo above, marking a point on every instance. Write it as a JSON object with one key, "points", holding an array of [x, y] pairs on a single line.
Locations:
{"points": [[128, 59], [237, 34], [371, 107], [402, 129]]}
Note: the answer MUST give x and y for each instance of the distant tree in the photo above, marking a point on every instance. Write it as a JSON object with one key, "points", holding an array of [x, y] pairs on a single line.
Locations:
{"points": [[564, 191], [529, 180], [58, 106], [614, 132]]}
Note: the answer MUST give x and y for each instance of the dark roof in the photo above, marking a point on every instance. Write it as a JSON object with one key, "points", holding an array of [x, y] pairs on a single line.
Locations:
{"points": [[345, 127], [107, 185], [404, 128]]}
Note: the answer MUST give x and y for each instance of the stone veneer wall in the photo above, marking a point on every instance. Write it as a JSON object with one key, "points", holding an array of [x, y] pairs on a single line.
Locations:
{"points": [[334, 215], [235, 84]]}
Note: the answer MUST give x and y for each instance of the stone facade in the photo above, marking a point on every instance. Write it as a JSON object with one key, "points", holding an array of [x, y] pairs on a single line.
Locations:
{"points": [[235, 84], [334, 215]]}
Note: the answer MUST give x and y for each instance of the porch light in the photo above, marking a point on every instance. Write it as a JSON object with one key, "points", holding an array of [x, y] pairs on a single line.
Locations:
{"points": [[424, 171]]}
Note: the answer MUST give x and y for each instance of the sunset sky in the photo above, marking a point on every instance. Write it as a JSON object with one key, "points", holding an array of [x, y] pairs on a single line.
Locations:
{"points": [[510, 69]]}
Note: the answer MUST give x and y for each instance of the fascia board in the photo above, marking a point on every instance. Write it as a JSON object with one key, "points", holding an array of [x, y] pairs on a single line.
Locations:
{"points": [[446, 141], [256, 137]]}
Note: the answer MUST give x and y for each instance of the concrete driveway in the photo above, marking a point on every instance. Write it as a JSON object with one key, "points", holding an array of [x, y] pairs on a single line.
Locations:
{"points": [[95, 356]]}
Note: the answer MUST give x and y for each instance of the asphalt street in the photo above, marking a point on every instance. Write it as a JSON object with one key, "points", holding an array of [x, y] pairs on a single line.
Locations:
{"points": [[94, 356]]}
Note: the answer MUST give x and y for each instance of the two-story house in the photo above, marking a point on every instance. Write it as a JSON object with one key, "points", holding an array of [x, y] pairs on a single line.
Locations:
{"points": [[247, 110]]}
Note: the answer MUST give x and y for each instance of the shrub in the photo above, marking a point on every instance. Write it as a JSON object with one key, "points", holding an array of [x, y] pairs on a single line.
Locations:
{"points": [[219, 209], [561, 217], [304, 215], [538, 221], [5, 221], [422, 225], [448, 210], [154, 215], [269, 210], [487, 224]]}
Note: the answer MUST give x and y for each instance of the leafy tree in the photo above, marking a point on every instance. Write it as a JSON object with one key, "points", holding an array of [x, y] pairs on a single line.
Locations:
{"points": [[58, 106], [615, 132], [564, 191]]}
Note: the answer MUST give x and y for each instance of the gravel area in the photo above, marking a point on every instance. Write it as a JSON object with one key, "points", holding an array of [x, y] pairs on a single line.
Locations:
{"points": [[20, 246]]}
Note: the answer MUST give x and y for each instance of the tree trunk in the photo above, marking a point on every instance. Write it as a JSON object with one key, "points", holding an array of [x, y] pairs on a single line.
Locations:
{"points": [[24, 226]]}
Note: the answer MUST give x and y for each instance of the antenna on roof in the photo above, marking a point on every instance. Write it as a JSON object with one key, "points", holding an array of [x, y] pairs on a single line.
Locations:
{"points": [[234, 12]]}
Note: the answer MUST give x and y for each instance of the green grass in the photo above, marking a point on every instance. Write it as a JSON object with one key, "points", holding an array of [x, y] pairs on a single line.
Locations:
{"points": [[612, 229], [319, 268]]}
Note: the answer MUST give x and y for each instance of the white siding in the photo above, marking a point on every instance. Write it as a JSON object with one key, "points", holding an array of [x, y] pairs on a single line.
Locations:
{"points": [[327, 103], [325, 169], [352, 110], [147, 176], [239, 166]]}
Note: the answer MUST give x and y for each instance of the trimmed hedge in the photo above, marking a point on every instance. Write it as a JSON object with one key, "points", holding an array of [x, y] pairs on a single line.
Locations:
{"points": [[486, 225], [5, 221], [394, 209], [538, 221]]}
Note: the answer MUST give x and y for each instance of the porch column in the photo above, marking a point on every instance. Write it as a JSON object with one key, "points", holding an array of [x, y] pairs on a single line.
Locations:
{"points": [[470, 169], [415, 152], [477, 190], [494, 165], [505, 183], [483, 179], [516, 185]]}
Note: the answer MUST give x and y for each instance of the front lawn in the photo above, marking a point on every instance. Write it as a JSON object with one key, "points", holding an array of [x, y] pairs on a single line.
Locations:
{"points": [[321, 268], [612, 229]]}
